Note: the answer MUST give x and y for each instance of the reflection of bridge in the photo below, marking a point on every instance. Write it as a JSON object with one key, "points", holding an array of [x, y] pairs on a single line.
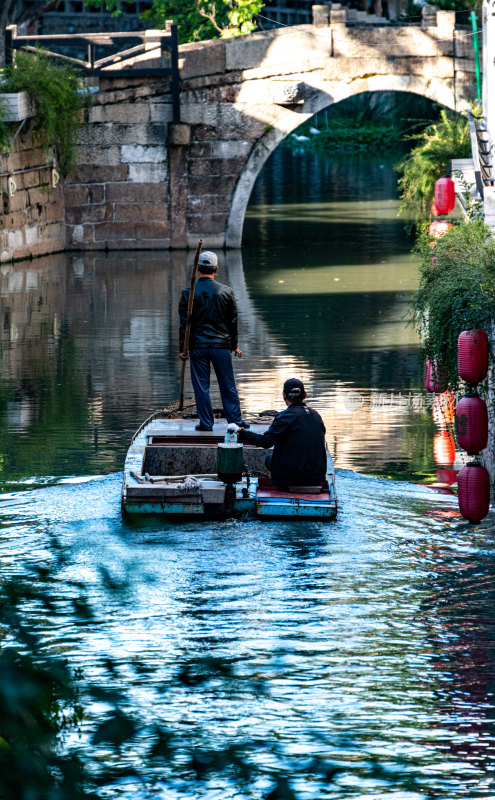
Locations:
{"points": [[239, 99], [104, 329]]}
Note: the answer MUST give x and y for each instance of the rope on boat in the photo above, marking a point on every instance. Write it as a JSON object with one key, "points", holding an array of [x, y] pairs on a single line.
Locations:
{"points": [[189, 483]]}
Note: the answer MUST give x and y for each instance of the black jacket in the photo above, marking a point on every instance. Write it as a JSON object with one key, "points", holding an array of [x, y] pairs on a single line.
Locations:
{"points": [[214, 316], [298, 438]]}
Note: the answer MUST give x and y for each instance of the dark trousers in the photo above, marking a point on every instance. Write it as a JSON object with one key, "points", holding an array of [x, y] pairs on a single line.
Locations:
{"points": [[221, 360]]}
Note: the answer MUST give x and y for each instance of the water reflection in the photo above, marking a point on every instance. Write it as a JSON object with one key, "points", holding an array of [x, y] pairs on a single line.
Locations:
{"points": [[88, 349], [89, 342]]}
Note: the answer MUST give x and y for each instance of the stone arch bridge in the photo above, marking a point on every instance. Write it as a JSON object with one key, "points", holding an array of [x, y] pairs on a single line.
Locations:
{"points": [[144, 181]]}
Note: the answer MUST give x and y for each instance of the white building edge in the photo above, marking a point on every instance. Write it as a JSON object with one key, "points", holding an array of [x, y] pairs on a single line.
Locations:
{"points": [[477, 172]]}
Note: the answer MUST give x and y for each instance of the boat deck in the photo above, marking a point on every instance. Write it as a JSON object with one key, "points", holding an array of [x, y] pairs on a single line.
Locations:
{"points": [[171, 468]]}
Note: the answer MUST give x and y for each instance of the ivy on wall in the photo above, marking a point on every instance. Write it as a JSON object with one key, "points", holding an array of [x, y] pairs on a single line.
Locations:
{"points": [[456, 290], [59, 97]]}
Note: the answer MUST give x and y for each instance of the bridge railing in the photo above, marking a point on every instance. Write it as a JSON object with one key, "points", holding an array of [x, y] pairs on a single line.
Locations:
{"points": [[134, 44]]}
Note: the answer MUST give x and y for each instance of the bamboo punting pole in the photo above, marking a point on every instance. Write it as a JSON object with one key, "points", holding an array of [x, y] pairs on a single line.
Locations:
{"points": [[185, 349]]}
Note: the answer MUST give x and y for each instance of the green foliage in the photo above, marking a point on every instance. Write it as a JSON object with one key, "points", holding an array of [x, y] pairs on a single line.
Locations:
{"points": [[241, 17], [456, 290], [368, 121], [193, 20], [349, 134], [199, 20], [457, 5], [38, 699], [473, 204], [59, 102], [436, 145]]}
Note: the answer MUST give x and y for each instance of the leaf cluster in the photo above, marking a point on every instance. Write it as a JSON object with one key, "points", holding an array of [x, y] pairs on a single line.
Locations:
{"points": [[456, 290], [198, 20], [430, 158], [457, 5], [59, 97]]}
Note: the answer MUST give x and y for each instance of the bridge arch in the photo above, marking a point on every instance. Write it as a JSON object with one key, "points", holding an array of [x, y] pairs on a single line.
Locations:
{"points": [[145, 179], [289, 122]]}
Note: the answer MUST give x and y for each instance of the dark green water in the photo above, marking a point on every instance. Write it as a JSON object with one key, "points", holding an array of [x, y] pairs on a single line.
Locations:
{"points": [[373, 636]]}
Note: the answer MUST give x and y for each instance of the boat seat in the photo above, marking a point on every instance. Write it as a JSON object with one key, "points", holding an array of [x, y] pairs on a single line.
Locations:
{"points": [[305, 489]]}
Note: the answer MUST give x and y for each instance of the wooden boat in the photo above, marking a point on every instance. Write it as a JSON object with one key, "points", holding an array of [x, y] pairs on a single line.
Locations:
{"points": [[171, 469]]}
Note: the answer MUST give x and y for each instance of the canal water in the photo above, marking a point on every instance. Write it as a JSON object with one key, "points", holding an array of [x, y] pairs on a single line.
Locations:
{"points": [[349, 659]]}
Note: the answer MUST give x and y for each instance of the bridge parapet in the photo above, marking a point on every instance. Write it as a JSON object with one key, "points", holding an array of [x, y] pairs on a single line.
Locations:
{"points": [[143, 182]]}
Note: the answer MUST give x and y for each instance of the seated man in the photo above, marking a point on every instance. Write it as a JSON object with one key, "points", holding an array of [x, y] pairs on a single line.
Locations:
{"points": [[298, 437]]}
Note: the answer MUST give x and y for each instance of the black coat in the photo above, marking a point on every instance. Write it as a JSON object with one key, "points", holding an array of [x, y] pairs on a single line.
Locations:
{"points": [[214, 316], [299, 453]]}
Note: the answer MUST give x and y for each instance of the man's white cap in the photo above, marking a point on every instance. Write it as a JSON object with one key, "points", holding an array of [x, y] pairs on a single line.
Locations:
{"points": [[208, 259]]}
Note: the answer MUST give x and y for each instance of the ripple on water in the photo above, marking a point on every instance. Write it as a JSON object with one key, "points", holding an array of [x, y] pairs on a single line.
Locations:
{"points": [[373, 635]]}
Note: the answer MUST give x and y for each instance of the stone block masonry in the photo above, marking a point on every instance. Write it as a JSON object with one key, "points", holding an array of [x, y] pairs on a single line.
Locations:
{"points": [[119, 196], [145, 181], [32, 223]]}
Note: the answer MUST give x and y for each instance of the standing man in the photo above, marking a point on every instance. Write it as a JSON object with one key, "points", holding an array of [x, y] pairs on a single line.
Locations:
{"points": [[212, 340], [297, 436]]}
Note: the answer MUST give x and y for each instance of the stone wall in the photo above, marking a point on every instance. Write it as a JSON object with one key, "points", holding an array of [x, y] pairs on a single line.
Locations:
{"points": [[118, 197], [32, 223], [144, 182], [242, 97]]}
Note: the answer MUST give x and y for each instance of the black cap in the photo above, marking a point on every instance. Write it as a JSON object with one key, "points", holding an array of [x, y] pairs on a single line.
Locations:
{"points": [[294, 390]]}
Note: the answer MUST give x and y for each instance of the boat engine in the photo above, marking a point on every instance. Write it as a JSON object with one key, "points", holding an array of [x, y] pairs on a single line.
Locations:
{"points": [[230, 461]]}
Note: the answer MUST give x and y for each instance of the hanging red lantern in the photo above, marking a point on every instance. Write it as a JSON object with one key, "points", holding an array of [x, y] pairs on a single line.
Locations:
{"points": [[443, 448], [471, 421], [448, 476], [473, 492], [445, 195], [439, 227], [434, 210], [428, 383], [444, 408], [436, 380], [472, 355]]}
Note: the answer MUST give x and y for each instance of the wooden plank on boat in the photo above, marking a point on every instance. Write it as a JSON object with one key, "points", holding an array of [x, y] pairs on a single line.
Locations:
{"points": [[154, 490], [213, 491]]}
